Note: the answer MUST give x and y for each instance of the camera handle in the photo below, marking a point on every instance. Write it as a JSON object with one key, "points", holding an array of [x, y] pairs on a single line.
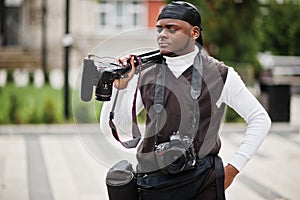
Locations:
{"points": [[146, 60], [141, 62]]}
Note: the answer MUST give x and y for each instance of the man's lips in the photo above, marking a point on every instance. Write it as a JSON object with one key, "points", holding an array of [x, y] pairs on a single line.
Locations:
{"points": [[163, 44]]}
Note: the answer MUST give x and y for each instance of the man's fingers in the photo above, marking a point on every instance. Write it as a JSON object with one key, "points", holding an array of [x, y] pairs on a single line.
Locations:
{"points": [[123, 60]]}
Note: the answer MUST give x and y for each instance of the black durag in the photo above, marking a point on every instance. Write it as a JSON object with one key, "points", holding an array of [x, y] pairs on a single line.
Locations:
{"points": [[183, 11]]}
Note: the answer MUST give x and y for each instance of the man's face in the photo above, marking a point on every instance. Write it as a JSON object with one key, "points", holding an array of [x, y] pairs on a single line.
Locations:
{"points": [[176, 37]]}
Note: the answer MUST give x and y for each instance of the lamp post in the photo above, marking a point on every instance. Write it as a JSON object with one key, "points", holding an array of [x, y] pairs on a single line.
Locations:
{"points": [[44, 39], [67, 42], [2, 21]]}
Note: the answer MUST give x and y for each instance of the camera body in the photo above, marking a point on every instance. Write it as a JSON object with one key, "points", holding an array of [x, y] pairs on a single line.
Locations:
{"points": [[103, 77], [105, 84], [177, 155]]}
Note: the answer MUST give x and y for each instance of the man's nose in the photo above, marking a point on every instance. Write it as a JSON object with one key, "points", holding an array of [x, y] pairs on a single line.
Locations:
{"points": [[163, 33]]}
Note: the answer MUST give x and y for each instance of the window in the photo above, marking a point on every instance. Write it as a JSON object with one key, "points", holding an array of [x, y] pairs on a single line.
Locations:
{"points": [[10, 24], [116, 15], [119, 12]]}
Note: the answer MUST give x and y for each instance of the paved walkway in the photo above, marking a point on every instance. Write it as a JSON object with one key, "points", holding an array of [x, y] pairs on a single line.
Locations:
{"points": [[56, 163]]}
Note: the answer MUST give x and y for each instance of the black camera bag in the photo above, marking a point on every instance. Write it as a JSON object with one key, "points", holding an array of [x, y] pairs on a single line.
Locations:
{"points": [[121, 182]]}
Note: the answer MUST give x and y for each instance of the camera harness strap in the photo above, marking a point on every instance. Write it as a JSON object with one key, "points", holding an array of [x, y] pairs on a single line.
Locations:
{"points": [[195, 92]]}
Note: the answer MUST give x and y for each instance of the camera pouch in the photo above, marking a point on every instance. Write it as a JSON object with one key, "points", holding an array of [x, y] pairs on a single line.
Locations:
{"points": [[121, 182], [185, 185]]}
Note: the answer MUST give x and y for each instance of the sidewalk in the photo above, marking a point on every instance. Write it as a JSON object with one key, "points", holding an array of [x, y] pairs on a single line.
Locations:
{"points": [[48, 162]]}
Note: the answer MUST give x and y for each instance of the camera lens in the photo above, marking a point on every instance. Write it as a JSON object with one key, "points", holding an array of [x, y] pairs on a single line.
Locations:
{"points": [[104, 87], [175, 160], [103, 92]]}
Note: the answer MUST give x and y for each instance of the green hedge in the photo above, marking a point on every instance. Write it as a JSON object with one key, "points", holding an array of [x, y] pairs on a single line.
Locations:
{"points": [[20, 105], [31, 105]]}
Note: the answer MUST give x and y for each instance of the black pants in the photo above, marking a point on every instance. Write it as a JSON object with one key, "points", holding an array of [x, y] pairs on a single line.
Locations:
{"points": [[208, 190], [206, 182]]}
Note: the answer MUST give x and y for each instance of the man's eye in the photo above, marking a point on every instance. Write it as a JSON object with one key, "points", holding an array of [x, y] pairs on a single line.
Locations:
{"points": [[171, 30], [159, 30]]}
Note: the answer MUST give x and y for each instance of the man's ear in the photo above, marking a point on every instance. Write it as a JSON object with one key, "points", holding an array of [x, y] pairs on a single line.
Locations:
{"points": [[195, 32]]}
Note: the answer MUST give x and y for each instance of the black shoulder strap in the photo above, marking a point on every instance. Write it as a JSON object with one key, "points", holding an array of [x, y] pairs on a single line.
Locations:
{"points": [[136, 133], [159, 96], [196, 85]]}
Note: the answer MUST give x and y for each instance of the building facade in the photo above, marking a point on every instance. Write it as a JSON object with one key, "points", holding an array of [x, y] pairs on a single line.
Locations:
{"points": [[32, 33]]}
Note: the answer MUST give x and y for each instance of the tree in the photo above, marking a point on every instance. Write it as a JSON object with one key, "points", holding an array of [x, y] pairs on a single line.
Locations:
{"points": [[230, 29], [280, 28]]}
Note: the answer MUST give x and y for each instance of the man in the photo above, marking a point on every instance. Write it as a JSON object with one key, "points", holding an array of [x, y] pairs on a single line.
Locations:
{"points": [[195, 89]]}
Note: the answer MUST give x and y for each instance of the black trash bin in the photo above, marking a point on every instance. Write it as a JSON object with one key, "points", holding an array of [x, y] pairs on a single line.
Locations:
{"points": [[279, 98]]}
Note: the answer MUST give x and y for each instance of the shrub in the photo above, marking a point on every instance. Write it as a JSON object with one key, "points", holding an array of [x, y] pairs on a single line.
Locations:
{"points": [[232, 116], [31, 105], [49, 111], [14, 110], [35, 116]]}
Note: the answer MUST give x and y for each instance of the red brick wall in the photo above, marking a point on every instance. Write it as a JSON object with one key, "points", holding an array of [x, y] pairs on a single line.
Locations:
{"points": [[154, 8]]}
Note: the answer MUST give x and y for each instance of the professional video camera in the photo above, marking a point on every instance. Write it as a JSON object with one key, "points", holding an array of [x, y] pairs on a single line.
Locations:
{"points": [[103, 76]]}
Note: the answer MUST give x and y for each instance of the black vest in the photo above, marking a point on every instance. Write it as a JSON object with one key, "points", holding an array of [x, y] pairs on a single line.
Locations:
{"points": [[178, 110]]}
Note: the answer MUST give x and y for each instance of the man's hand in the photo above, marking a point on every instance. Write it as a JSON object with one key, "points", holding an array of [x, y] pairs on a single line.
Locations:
{"points": [[123, 82], [230, 173]]}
